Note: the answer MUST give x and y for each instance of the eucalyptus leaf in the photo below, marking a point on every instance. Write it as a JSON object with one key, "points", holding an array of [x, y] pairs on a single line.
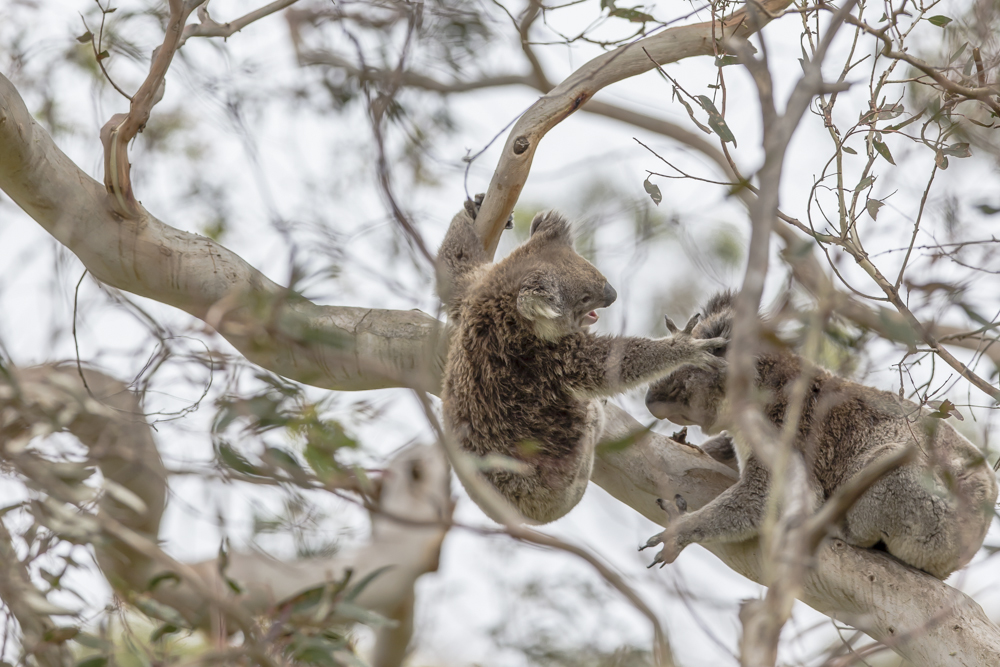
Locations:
{"points": [[957, 150], [715, 119], [883, 150], [653, 191]]}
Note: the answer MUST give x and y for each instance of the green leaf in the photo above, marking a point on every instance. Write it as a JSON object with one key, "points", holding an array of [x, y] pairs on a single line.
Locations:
{"points": [[359, 587], [92, 641], [283, 459], [96, 661], [865, 182], [715, 119], [102, 55], [940, 160], [231, 459], [957, 150], [163, 630], [955, 56], [848, 149], [360, 614], [940, 21], [724, 61], [944, 410], [632, 14], [872, 206], [85, 38], [61, 634], [158, 610], [653, 191], [162, 577], [988, 210], [883, 150], [897, 328], [976, 317]]}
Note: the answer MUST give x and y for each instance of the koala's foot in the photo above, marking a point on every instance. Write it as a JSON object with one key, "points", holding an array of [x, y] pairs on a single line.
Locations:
{"points": [[672, 547]]}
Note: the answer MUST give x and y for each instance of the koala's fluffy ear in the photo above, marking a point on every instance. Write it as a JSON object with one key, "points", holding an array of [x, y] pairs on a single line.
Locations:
{"points": [[550, 226], [538, 298]]}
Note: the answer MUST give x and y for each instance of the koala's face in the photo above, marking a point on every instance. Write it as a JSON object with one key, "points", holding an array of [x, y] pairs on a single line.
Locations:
{"points": [[560, 291], [694, 396]]}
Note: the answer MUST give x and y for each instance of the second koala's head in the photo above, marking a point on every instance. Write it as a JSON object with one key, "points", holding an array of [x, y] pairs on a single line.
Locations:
{"points": [[693, 396], [558, 291]]}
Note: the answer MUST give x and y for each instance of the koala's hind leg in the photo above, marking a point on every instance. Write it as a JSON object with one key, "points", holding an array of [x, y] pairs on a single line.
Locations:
{"points": [[919, 520]]}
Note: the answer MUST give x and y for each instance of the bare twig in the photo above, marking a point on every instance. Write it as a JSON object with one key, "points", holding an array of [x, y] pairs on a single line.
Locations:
{"points": [[208, 27], [122, 128]]}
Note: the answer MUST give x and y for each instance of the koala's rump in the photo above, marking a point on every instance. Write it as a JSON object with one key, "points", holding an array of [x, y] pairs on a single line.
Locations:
{"points": [[931, 513]]}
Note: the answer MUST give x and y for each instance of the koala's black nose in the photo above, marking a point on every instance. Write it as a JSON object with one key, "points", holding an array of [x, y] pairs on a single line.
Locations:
{"points": [[609, 294]]}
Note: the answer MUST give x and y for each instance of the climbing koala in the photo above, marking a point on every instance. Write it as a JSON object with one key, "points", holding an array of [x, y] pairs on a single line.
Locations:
{"points": [[524, 377], [932, 512]]}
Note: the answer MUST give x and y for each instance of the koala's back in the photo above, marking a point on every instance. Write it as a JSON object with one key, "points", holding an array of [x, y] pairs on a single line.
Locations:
{"points": [[506, 393], [943, 497]]}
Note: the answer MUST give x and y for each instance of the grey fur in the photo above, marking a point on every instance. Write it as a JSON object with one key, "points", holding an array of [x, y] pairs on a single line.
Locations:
{"points": [[524, 377], [931, 513]]}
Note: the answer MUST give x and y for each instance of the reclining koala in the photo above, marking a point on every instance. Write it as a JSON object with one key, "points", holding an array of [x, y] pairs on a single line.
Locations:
{"points": [[524, 376], [931, 513]]}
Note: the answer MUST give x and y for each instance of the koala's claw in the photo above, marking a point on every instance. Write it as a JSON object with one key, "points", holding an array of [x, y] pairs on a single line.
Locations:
{"points": [[472, 208], [652, 542], [713, 343]]}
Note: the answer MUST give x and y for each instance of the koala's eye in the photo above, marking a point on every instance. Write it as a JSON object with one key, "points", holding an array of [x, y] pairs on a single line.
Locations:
{"points": [[720, 352]]}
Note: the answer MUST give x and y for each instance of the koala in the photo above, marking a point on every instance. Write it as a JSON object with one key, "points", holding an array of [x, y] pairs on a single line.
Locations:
{"points": [[524, 377], [931, 513]]}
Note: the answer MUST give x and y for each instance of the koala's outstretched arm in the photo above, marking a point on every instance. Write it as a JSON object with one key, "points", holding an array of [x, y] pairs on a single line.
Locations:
{"points": [[608, 365], [733, 516], [461, 253]]}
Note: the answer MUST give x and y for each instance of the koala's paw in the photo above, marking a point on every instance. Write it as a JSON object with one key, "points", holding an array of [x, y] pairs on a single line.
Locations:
{"points": [[699, 352], [472, 207], [672, 547], [710, 357]]}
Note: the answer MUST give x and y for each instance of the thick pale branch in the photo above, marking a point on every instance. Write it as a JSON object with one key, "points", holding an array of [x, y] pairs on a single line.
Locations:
{"points": [[332, 347], [921, 618], [668, 46]]}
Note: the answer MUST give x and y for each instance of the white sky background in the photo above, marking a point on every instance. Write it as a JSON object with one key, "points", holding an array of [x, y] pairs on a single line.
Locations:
{"points": [[317, 169]]}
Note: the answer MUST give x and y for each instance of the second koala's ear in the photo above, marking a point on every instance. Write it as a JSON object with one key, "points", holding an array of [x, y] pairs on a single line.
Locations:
{"points": [[550, 226], [538, 298]]}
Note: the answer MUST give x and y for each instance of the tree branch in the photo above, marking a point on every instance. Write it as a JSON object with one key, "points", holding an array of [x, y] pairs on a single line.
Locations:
{"points": [[668, 46], [208, 27], [409, 522]]}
